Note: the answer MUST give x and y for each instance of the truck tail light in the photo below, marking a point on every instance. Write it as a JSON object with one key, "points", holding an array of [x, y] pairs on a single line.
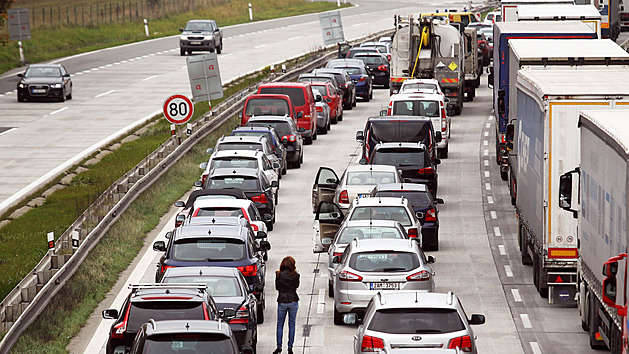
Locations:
{"points": [[420, 276], [248, 271], [431, 215], [347, 276], [319, 109], [343, 197], [464, 343], [412, 233]]}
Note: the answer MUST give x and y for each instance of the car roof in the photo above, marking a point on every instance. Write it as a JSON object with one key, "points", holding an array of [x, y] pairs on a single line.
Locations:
{"points": [[400, 145], [421, 81], [376, 168], [217, 220], [346, 62], [402, 118], [262, 119], [368, 54], [389, 244], [254, 129], [416, 95], [379, 201], [238, 172], [161, 292], [208, 231], [238, 193], [239, 153], [222, 203], [201, 271], [415, 299], [188, 327], [329, 70], [402, 187], [284, 84], [241, 138], [45, 65], [201, 21], [367, 223]]}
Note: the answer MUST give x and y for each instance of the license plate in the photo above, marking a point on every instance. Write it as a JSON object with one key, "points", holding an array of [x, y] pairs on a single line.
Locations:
{"points": [[195, 42], [363, 195], [39, 91], [384, 286]]}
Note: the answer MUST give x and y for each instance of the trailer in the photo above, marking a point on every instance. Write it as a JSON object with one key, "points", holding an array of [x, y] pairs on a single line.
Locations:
{"points": [[548, 103], [473, 63], [540, 54], [587, 14], [503, 33], [509, 7]]}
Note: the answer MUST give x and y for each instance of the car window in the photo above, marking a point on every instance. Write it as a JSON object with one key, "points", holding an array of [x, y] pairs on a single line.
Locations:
{"points": [[209, 249], [416, 321], [369, 177], [367, 232], [419, 87], [282, 128], [199, 26], [239, 146], [141, 311], [416, 198], [395, 213], [384, 261], [321, 89], [244, 183], [253, 214], [42, 72], [296, 94], [189, 343], [266, 165], [409, 131], [266, 106], [399, 157], [352, 70], [370, 59], [217, 286], [219, 211], [416, 108], [233, 162]]}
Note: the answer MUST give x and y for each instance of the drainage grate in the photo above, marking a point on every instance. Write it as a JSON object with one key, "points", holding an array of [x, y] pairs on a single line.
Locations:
{"points": [[306, 332]]}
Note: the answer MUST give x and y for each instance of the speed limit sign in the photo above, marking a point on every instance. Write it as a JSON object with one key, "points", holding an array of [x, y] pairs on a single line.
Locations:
{"points": [[178, 109]]}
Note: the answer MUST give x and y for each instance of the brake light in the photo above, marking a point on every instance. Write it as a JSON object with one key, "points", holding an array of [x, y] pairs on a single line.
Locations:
{"points": [[389, 111], [452, 93], [372, 344], [292, 138], [412, 233], [431, 215], [421, 276], [347, 276], [319, 109], [382, 68], [260, 198], [362, 79], [164, 267], [343, 197], [464, 343], [248, 271], [242, 315], [254, 227], [337, 254], [119, 329], [444, 120], [203, 178], [425, 171], [389, 57]]}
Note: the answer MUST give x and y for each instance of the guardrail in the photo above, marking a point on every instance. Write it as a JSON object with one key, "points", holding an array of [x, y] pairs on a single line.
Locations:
{"points": [[29, 298]]}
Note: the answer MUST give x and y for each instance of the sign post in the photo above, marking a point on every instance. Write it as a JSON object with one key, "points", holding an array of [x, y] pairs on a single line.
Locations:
{"points": [[331, 28], [19, 28]]}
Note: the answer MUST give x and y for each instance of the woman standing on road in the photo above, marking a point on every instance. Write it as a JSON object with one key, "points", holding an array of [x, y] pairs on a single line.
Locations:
{"points": [[286, 283]]}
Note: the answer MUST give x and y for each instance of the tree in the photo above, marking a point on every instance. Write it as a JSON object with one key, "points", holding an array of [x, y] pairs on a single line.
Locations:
{"points": [[4, 6]]}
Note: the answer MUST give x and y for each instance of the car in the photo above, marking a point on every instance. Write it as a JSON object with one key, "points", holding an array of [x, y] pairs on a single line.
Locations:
{"points": [[44, 82], [483, 45], [383, 47], [157, 302], [311, 77], [489, 34], [348, 87], [385, 39], [361, 76], [247, 143], [340, 63], [200, 35], [323, 114], [386, 208], [424, 206], [415, 320], [230, 291], [273, 138], [255, 185], [492, 17], [367, 267], [266, 105], [232, 246], [289, 136], [158, 337], [303, 101], [355, 50], [244, 159], [204, 194], [421, 86], [332, 98], [212, 211], [379, 67], [356, 181]]}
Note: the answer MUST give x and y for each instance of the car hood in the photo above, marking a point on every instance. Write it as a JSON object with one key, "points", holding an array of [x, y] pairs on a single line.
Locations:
{"points": [[200, 33], [41, 80]]}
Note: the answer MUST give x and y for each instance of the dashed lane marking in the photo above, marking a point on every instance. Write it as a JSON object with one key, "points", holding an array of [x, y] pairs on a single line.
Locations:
{"points": [[490, 199], [516, 295], [487, 125], [485, 143], [497, 231], [104, 93], [293, 38], [485, 152], [486, 162], [59, 110], [508, 271], [486, 133], [260, 46], [535, 347], [486, 174], [321, 301], [526, 322], [493, 215], [502, 250], [488, 186]]}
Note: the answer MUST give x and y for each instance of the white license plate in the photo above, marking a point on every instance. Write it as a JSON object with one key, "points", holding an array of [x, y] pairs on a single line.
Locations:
{"points": [[384, 286], [39, 91], [195, 42], [363, 195]]}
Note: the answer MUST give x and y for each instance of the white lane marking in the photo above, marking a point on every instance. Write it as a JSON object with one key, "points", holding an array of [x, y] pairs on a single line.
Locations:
{"points": [[497, 231], [152, 55], [150, 77], [485, 152], [124, 61], [490, 117], [102, 67], [486, 133], [488, 125], [535, 347], [526, 321], [293, 38], [260, 46], [486, 174], [486, 162], [6, 131], [502, 250], [226, 55], [109, 65], [488, 186], [485, 142], [493, 215], [145, 56], [184, 67], [117, 63], [490, 199], [104, 93], [95, 69], [321, 299], [508, 271], [78, 74], [516, 295], [356, 25], [59, 110], [137, 58]]}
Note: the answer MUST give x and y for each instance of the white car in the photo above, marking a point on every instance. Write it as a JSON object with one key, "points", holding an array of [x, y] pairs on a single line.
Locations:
{"points": [[493, 17], [244, 142], [387, 208], [207, 208], [421, 85]]}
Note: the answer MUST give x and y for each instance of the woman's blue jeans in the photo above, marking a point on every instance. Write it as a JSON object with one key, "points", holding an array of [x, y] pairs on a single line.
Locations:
{"points": [[282, 309]]}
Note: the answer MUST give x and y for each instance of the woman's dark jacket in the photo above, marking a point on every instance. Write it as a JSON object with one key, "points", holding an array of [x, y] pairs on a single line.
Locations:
{"points": [[286, 284]]}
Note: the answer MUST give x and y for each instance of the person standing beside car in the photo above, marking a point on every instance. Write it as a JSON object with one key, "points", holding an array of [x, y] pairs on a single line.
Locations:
{"points": [[286, 284]]}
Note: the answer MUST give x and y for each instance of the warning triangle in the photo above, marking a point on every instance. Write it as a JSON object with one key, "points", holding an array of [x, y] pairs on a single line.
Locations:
{"points": [[558, 280]]}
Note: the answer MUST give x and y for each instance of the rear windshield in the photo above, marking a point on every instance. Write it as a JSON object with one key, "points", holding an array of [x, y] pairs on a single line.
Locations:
{"points": [[217, 286], [416, 108], [416, 198], [419, 87], [296, 94], [371, 59], [142, 311], [281, 128], [353, 52], [233, 162], [368, 233], [239, 146], [399, 157], [323, 90], [369, 178], [209, 250], [315, 79], [244, 183], [395, 213], [267, 135], [353, 70], [189, 343], [219, 211], [416, 321], [384, 261], [266, 107], [402, 131]]}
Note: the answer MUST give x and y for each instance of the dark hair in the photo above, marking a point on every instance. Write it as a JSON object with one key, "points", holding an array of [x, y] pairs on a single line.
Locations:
{"points": [[288, 263]]}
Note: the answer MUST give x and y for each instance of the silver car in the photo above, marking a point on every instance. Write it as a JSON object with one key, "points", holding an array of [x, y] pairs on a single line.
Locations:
{"points": [[369, 266], [387, 208], [414, 320], [323, 113]]}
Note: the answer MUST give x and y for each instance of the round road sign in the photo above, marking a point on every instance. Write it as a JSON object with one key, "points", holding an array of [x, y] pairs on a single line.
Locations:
{"points": [[178, 109]]}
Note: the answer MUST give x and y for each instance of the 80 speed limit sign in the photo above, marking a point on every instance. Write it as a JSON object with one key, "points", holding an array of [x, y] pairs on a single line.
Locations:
{"points": [[178, 109]]}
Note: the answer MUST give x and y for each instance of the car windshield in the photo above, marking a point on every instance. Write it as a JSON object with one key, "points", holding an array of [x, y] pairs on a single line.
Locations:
{"points": [[395, 213], [417, 199], [42, 72], [234, 162], [239, 146], [419, 87], [209, 250], [352, 70], [380, 48], [416, 108], [244, 183], [367, 232], [296, 94], [189, 343], [323, 90], [416, 321], [199, 26], [371, 59], [398, 157], [369, 178], [384, 261], [267, 107], [219, 211], [142, 311], [282, 128], [217, 286]]}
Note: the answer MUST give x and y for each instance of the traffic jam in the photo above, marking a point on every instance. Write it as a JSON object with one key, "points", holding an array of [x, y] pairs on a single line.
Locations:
{"points": [[561, 147]]}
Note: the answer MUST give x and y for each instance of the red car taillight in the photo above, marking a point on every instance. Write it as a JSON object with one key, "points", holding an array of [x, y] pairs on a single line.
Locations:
{"points": [[389, 57], [412, 233], [248, 271], [319, 109], [164, 267], [260, 198], [120, 328], [203, 178], [444, 120], [337, 254], [431, 215], [382, 68], [347, 276], [343, 197], [421, 276], [464, 343], [242, 315], [372, 344], [362, 79], [425, 171], [292, 138]]}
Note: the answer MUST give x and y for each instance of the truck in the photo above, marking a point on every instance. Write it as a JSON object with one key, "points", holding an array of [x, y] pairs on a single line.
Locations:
{"points": [[536, 54], [587, 14], [601, 184], [548, 103], [612, 14], [503, 33], [473, 63], [429, 49], [509, 7]]}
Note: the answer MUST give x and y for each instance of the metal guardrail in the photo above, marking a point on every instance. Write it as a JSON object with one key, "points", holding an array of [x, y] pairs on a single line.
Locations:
{"points": [[31, 296]]}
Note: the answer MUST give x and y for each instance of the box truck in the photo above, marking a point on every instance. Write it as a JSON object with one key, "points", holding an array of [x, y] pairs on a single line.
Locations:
{"points": [[587, 14], [509, 7]]}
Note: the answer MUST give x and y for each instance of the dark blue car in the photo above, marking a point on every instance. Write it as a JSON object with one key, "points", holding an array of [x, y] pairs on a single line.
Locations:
{"points": [[359, 74]]}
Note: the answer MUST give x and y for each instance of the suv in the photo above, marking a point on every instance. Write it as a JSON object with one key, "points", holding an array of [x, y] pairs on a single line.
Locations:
{"points": [[266, 105], [200, 35], [289, 136], [378, 67], [251, 143], [273, 138], [413, 319], [348, 87], [421, 86], [244, 159], [157, 302], [221, 211]]}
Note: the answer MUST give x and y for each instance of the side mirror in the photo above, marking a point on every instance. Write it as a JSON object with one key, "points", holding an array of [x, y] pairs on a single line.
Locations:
{"points": [[394, 92], [284, 140], [438, 136], [363, 161], [331, 180], [302, 129], [276, 165], [438, 201], [430, 259], [350, 318], [240, 115], [181, 30], [261, 234], [609, 291], [610, 268], [180, 204], [326, 241], [565, 191], [407, 180], [437, 162], [257, 288], [360, 136], [66, 75], [383, 112], [203, 165], [477, 319], [267, 218], [110, 314], [300, 115], [228, 313], [274, 184], [510, 133], [209, 151], [169, 234], [159, 246], [265, 246], [446, 100], [198, 184], [20, 75]]}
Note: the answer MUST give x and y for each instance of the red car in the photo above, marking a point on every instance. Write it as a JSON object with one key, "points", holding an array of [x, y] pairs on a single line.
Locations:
{"points": [[266, 105], [332, 97]]}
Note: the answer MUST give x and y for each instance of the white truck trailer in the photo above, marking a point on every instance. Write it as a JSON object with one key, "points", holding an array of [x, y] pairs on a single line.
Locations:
{"points": [[509, 7], [587, 14], [548, 103]]}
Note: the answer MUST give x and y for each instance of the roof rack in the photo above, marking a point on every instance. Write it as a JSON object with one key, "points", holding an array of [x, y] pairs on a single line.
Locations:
{"points": [[197, 286]]}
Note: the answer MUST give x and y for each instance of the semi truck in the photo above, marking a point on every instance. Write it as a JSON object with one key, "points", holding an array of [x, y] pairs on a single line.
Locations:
{"points": [[539, 54], [429, 49], [503, 33], [548, 103], [597, 199], [587, 14], [473, 63], [509, 7]]}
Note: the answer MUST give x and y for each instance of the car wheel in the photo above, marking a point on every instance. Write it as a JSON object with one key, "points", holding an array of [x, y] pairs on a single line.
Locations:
{"points": [[338, 317], [285, 168], [386, 86], [277, 194], [314, 136], [189, 52], [219, 49], [182, 52], [260, 314], [62, 98], [371, 93], [340, 118], [308, 141], [269, 227], [327, 128], [324, 131], [20, 99], [69, 96], [301, 158], [442, 153], [330, 289], [366, 98]]}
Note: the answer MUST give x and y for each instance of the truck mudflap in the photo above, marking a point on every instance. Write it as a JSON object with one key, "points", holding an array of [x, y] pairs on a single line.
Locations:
{"points": [[562, 287]]}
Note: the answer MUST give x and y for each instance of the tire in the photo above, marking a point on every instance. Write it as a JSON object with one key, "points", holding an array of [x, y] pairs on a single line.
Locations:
{"points": [[297, 164], [182, 52], [69, 96], [442, 153], [387, 85], [315, 135], [354, 103], [62, 98], [277, 194], [339, 118], [328, 128], [20, 99], [219, 49], [330, 289], [542, 287], [269, 227], [349, 105], [308, 141], [189, 52], [324, 131], [338, 317], [366, 98], [260, 313], [524, 250]]}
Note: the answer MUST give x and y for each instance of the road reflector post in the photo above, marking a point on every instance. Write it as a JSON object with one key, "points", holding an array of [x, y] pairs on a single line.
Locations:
{"points": [[75, 239], [146, 27], [172, 129], [51, 241], [283, 68], [189, 129], [272, 68], [250, 13]]}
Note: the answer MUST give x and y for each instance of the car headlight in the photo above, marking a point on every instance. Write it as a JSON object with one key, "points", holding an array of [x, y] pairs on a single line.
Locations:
{"points": [[209, 38], [55, 85], [183, 38], [21, 85]]}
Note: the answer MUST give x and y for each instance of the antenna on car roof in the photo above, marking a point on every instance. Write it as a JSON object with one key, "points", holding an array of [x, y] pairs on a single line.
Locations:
{"points": [[200, 271], [416, 297]]}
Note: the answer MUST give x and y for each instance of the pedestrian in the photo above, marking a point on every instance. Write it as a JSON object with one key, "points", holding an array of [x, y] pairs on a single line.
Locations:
{"points": [[286, 284]]}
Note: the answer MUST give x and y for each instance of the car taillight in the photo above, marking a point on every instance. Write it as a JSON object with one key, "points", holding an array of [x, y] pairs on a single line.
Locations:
{"points": [[444, 120], [389, 57], [164, 267], [382, 68], [412, 233], [388, 111], [347, 276], [362, 79], [343, 197], [248, 271], [242, 315], [203, 178], [120, 328], [372, 344], [425, 171], [431, 215], [292, 138], [319, 109], [337, 254], [260, 198], [464, 343], [421, 276]]}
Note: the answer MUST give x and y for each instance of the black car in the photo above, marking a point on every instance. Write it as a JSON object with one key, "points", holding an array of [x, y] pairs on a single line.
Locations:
{"points": [[347, 85], [202, 194], [157, 302], [289, 136], [230, 291], [310, 78], [424, 205], [200, 35], [378, 65], [271, 136], [44, 82], [355, 50]]}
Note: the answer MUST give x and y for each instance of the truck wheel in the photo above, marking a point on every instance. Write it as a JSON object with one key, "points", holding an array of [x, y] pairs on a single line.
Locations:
{"points": [[524, 250], [542, 285], [497, 152], [595, 322]]}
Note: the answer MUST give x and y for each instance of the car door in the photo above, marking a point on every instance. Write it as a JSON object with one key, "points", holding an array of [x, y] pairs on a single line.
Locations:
{"points": [[328, 220], [324, 187], [270, 172]]}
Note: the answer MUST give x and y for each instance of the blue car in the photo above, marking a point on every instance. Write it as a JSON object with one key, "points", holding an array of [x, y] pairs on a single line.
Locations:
{"points": [[360, 75], [272, 136]]}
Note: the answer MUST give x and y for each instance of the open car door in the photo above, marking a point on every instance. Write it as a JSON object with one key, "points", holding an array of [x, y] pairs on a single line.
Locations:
{"points": [[328, 219], [324, 187], [343, 50]]}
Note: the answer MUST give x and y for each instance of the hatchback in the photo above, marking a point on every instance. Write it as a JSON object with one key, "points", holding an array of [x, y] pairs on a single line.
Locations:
{"points": [[205, 211], [378, 67], [421, 86], [266, 105], [348, 87], [271, 136], [386, 208], [356, 50], [369, 266], [289, 136]]}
